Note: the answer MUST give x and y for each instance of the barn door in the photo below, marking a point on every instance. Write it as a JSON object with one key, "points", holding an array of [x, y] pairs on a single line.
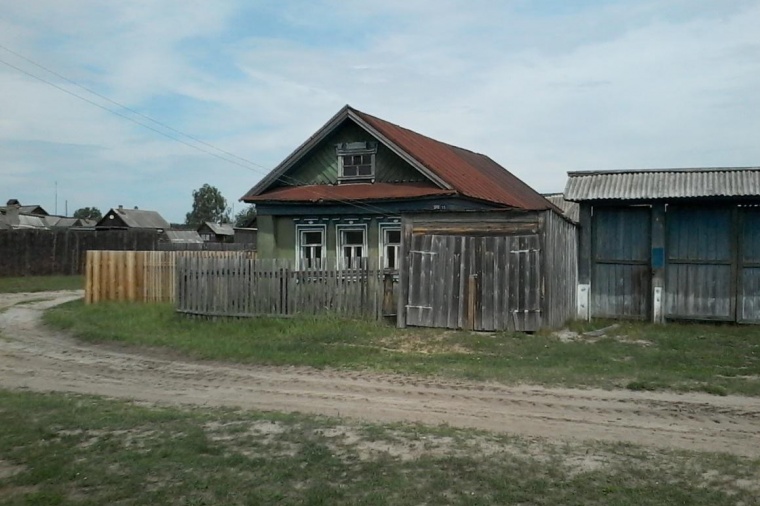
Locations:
{"points": [[749, 266], [621, 274], [478, 283], [699, 279]]}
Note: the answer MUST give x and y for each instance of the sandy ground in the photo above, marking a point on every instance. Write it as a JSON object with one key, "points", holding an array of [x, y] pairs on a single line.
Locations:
{"points": [[36, 358]]}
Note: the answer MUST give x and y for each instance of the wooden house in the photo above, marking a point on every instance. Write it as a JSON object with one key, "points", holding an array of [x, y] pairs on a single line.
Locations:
{"points": [[671, 244], [341, 194], [216, 232], [362, 187], [133, 219]]}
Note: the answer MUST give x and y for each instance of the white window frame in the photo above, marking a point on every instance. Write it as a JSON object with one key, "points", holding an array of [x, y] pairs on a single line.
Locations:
{"points": [[383, 229], [352, 149], [300, 230], [339, 229]]}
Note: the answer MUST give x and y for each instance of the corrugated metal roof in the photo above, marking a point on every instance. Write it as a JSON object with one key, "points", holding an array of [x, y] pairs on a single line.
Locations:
{"points": [[471, 174], [663, 184], [343, 192], [467, 173], [570, 209]]}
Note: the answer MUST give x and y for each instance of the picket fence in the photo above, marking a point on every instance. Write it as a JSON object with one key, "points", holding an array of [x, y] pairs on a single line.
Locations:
{"points": [[240, 287], [143, 276]]}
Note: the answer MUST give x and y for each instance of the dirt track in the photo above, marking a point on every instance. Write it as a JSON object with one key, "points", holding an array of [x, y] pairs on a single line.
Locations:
{"points": [[33, 357]]}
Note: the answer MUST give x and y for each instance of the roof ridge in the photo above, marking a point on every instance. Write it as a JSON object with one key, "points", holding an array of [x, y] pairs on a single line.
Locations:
{"points": [[612, 172]]}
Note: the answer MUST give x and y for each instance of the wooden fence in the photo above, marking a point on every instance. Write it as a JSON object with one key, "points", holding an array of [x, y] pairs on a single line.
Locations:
{"points": [[146, 276], [36, 252], [239, 287]]}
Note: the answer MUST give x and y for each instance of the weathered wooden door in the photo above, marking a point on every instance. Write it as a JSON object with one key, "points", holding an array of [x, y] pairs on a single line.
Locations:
{"points": [[699, 273], [748, 310], [620, 270], [479, 283]]}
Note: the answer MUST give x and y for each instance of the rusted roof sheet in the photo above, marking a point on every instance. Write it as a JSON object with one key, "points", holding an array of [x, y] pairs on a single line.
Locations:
{"points": [[350, 192], [467, 173], [471, 174], [663, 184], [571, 210]]}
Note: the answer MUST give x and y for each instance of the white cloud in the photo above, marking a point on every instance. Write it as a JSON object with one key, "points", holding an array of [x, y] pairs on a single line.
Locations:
{"points": [[542, 87]]}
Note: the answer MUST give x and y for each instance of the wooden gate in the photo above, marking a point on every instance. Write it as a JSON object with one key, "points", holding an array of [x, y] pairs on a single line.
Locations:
{"points": [[620, 269], [749, 266], [478, 283]]}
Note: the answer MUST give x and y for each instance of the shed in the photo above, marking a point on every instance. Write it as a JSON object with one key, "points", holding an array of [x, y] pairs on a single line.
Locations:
{"points": [[488, 270], [669, 244]]}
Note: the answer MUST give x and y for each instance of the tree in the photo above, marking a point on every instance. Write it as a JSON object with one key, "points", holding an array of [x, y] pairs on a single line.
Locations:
{"points": [[88, 213], [244, 217], [208, 205]]}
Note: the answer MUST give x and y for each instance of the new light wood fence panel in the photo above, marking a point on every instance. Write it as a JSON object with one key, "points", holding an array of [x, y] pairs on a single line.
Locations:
{"points": [[238, 287], [144, 276]]}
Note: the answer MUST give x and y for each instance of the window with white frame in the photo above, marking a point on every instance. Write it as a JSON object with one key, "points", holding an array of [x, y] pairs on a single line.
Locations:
{"points": [[390, 244], [352, 245], [310, 245], [356, 161]]}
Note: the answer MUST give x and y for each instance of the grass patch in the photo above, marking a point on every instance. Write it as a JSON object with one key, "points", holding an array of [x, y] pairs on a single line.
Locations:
{"points": [[41, 284], [65, 449], [709, 358]]}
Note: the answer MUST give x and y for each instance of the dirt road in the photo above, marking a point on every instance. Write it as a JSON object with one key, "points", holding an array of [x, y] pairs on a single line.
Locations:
{"points": [[34, 357]]}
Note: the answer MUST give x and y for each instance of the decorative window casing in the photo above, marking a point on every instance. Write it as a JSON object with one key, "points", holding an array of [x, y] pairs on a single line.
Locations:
{"points": [[351, 245], [390, 245], [310, 245], [356, 161]]}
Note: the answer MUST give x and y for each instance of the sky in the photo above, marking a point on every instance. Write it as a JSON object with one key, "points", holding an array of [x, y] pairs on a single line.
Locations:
{"points": [[139, 102]]}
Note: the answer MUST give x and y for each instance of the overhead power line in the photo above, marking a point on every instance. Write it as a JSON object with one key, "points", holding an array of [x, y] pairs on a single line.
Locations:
{"points": [[200, 145]]}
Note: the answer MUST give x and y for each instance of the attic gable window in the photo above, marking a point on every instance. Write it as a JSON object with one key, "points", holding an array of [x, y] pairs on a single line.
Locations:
{"points": [[356, 161]]}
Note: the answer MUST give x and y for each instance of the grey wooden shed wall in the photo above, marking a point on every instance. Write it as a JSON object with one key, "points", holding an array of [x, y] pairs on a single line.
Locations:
{"points": [[680, 260], [488, 271]]}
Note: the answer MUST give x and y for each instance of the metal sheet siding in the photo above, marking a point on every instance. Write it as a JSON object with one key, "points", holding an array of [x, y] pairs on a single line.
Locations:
{"points": [[698, 276], [620, 272], [663, 184]]}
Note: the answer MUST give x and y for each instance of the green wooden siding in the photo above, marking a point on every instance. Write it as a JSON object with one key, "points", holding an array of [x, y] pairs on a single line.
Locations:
{"points": [[321, 165], [282, 244]]}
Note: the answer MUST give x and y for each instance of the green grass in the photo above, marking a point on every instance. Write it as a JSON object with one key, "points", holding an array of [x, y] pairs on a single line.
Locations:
{"points": [[67, 449], [41, 283], [715, 359]]}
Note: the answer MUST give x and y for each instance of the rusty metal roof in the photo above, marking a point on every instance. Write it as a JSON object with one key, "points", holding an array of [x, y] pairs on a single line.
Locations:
{"points": [[344, 192], [663, 184], [467, 173]]}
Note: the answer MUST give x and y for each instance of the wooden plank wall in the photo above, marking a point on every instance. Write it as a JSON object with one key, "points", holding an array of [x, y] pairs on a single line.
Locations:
{"points": [[63, 251], [141, 276], [560, 269], [239, 287]]}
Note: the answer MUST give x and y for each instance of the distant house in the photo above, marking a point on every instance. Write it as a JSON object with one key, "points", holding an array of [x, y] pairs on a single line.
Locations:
{"points": [[216, 232], [669, 244], [132, 219], [34, 209]]}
